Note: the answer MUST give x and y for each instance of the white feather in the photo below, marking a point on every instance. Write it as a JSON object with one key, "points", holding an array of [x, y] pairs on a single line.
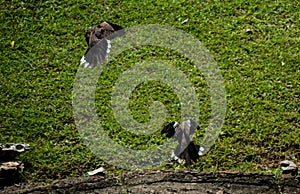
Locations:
{"points": [[84, 62], [108, 48]]}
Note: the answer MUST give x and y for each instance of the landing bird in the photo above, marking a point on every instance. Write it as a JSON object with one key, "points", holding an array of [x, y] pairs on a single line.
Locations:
{"points": [[98, 38], [186, 150]]}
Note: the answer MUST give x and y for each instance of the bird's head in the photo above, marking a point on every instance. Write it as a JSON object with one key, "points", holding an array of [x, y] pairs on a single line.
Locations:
{"points": [[102, 30]]}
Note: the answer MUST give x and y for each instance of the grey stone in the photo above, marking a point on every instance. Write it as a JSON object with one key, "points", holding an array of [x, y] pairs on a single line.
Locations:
{"points": [[288, 167], [9, 166]]}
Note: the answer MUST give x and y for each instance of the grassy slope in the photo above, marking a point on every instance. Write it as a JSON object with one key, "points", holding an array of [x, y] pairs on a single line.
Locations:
{"points": [[261, 72]]}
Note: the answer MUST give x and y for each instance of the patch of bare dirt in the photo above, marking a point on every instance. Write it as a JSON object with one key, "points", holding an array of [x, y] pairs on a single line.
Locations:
{"points": [[168, 182]]}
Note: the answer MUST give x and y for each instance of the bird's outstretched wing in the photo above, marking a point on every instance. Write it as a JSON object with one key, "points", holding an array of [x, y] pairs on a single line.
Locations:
{"points": [[97, 54], [184, 133]]}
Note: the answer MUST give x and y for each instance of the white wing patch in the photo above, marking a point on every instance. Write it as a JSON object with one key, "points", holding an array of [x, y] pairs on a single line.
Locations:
{"points": [[108, 48], [201, 149], [84, 62], [175, 125]]}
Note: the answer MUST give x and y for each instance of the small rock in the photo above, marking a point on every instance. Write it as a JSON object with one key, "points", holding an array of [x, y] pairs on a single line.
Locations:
{"points": [[15, 165], [97, 171], [288, 167], [10, 151], [9, 166], [249, 31]]}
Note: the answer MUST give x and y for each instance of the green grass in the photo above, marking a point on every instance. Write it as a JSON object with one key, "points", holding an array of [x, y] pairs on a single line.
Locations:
{"points": [[261, 71]]}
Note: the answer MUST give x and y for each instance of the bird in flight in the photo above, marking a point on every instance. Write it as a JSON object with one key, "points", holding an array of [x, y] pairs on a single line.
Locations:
{"points": [[98, 41], [186, 149]]}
